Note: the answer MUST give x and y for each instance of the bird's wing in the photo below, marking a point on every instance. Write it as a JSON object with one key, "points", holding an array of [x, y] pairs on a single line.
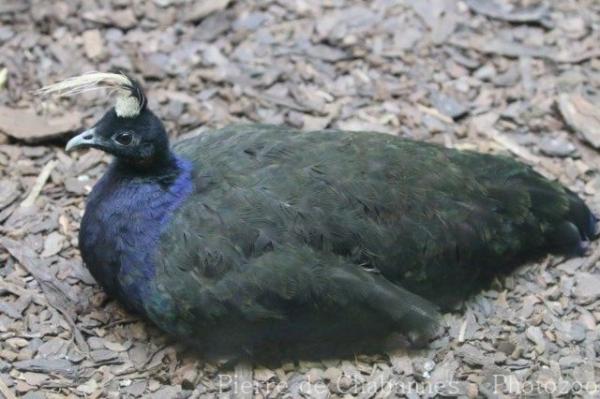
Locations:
{"points": [[296, 290], [432, 219]]}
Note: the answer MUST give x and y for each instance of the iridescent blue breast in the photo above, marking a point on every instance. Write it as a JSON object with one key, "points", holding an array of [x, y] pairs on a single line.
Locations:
{"points": [[121, 229]]}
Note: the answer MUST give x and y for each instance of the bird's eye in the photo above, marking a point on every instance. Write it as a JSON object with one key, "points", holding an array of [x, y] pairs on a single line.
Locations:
{"points": [[124, 138]]}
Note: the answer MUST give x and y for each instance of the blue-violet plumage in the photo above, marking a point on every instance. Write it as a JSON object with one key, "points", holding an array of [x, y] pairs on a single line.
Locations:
{"points": [[255, 238], [121, 229]]}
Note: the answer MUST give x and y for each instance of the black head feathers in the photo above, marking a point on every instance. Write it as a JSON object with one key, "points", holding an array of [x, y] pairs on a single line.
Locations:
{"points": [[130, 131], [130, 101]]}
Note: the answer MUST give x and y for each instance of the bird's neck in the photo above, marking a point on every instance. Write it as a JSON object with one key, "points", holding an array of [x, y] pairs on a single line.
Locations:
{"points": [[162, 166], [125, 216]]}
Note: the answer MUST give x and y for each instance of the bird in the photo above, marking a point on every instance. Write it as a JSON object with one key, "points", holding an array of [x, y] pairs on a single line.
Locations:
{"points": [[255, 236]]}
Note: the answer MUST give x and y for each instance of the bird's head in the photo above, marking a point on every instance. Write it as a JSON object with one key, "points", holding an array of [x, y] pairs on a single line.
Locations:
{"points": [[129, 130]]}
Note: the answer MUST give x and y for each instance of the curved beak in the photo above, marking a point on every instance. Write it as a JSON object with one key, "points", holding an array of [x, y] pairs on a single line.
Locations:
{"points": [[83, 140]]}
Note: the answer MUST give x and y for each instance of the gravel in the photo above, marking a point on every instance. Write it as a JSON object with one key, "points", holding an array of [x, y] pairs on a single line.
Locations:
{"points": [[518, 78]]}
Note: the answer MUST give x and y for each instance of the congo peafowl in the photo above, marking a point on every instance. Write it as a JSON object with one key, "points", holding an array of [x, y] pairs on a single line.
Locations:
{"points": [[256, 235]]}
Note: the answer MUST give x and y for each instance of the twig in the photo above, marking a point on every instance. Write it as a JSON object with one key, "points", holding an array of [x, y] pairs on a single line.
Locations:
{"points": [[591, 261], [79, 339], [122, 322], [5, 391], [515, 50], [435, 113], [515, 148], [271, 99], [521, 152], [151, 357], [39, 184], [462, 331], [242, 381]]}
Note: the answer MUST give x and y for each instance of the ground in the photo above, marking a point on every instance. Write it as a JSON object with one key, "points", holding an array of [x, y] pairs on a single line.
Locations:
{"points": [[520, 78]]}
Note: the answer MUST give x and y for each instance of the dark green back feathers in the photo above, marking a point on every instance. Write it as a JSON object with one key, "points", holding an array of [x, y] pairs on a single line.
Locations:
{"points": [[293, 236]]}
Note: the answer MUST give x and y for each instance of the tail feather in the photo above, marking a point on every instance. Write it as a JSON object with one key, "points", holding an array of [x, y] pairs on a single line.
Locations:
{"points": [[565, 238], [582, 217], [568, 223], [571, 235]]}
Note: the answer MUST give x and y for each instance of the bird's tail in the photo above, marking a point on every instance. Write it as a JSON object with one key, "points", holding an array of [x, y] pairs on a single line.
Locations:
{"points": [[567, 224], [572, 235]]}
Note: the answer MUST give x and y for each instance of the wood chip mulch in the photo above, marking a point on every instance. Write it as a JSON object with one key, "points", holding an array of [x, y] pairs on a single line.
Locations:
{"points": [[518, 77]]}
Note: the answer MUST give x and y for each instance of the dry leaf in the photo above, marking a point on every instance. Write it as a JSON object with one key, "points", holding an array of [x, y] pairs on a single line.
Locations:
{"points": [[582, 116], [26, 125]]}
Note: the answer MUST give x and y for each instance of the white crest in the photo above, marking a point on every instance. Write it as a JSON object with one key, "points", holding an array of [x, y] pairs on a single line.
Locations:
{"points": [[130, 98], [127, 106]]}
